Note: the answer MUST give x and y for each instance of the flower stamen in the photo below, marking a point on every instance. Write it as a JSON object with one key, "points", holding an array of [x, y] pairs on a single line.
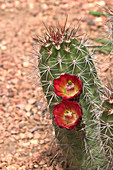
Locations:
{"points": [[68, 113], [69, 85]]}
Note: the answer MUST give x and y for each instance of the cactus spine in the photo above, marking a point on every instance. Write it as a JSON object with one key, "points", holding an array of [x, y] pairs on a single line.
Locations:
{"points": [[89, 146]]}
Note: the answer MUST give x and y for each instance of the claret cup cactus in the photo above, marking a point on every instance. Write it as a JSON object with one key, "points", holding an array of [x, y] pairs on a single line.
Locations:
{"points": [[81, 110]]}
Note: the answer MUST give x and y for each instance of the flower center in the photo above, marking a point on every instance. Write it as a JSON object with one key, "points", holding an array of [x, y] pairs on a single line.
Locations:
{"points": [[68, 113], [69, 85]]}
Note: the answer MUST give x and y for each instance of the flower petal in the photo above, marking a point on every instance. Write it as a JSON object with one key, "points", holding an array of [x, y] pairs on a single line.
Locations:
{"points": [[62, 89], [65, 120]]}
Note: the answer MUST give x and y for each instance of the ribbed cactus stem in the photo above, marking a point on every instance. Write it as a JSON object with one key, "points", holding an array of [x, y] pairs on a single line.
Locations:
{"points": [[62, 53]]}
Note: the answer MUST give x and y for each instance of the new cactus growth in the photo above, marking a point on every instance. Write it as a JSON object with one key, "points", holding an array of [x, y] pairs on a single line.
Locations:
{"points": [[81, 118]]}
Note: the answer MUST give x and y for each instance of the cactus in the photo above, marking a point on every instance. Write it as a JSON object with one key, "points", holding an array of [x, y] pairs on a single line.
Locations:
{"points": [[89, 145]]}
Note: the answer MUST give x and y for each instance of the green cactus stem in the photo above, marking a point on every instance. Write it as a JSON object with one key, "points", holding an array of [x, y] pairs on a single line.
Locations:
{"points": [[63, 52]]}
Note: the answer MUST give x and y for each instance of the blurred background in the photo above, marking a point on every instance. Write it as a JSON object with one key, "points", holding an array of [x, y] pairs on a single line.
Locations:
{"points": [[26, 134]]}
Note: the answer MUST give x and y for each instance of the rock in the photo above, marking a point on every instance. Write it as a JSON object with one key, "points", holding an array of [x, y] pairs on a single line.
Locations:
{"points": [[41, 142], [15, 81], [98, 21], [7, 134], [101, 3], [3, 6], [34, 110], [36, 117], [28, 114], [32, 130], [20, 106], [28, 107], [14, 131], [26, 63], [34, 142], [91, 22], [38, 104], [31, 5], [9, 158], [31, 101], [37, 135], [26, 144], [12, 167], [22, 124], [1, 141], [104, 68], [46, 147], [3, 47], [22, 135], [22, 168], [29, 135], [44, 6], [2, 165], [17, 3], [56, 3], [15, 137], [42, 162]]}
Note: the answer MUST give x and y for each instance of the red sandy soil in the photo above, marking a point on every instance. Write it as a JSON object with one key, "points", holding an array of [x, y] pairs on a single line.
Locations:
{"points": [[26, 134]]}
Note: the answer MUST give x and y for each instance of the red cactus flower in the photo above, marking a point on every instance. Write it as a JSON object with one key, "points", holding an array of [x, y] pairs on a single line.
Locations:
{"points": [[67, 86], [67, 114]]}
